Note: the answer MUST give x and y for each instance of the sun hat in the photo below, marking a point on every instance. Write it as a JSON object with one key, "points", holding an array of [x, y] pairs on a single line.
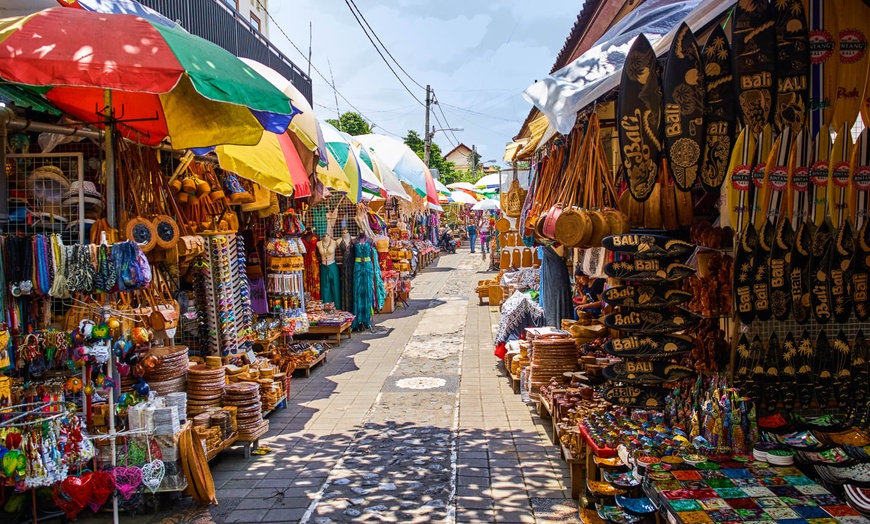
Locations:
{"points": [[88, 189], [49, 184]]}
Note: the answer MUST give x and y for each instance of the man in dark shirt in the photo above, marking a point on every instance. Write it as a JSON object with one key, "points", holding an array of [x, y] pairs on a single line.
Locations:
{"points": [[590, 291]]}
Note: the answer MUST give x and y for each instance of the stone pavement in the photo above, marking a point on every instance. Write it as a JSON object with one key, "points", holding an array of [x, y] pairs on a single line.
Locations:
{"points": [[413, 422]]}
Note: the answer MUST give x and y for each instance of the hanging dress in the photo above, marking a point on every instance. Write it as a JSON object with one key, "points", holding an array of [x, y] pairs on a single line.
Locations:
{"points": [[555, 288], [346, 273], [312, 266], [330, 290], [368, 288]]}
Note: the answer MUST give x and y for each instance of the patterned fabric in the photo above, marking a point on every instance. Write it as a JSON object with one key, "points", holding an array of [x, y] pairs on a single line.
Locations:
{"points": [[517, 313], [347, 256], [363, 284], [330, 290], [312, 267]]}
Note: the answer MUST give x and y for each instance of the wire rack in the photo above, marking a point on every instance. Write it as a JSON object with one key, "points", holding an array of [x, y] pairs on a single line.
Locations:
{"points": [[316, 216]]}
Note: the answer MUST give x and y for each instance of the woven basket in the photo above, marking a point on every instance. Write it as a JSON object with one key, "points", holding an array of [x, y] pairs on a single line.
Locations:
{"points": [[512, 202], [572, 227]]}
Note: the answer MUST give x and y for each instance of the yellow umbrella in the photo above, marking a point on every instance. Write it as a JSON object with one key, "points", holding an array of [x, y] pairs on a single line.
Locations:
{"points": [[332, 175]]}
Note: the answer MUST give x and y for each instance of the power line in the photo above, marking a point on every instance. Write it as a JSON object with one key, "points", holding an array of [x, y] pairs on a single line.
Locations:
{"points": [[442, 126], [311, 65], [465, 110], [447, 126], [382, 44], [356, 17]]}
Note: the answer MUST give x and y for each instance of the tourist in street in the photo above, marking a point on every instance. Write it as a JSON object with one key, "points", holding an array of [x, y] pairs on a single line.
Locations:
{"points": [[471, 229], [484, 236]]}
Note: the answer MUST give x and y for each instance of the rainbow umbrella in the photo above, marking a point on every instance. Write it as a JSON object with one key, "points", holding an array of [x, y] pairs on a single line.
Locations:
{"points": [[341, 154], [388, 178], [164, 82], [404, 162]]}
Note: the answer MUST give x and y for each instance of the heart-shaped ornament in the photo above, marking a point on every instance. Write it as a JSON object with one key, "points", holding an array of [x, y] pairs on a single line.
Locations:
{"points": [[104, 485], [79, 489], [152, 474], [127, 480]]}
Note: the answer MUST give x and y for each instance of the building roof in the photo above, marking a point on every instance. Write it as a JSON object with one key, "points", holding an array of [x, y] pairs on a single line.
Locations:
{"points": [[459, 147]]}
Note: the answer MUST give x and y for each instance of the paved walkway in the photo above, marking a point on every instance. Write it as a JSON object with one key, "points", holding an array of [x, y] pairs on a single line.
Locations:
{"points": [[412, 423]]}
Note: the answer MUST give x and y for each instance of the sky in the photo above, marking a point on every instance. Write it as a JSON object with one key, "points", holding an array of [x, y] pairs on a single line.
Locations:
{"points": [[477, 55]]}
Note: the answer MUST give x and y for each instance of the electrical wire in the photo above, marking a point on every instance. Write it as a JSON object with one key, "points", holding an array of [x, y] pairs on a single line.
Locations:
{"points": [[448, 126], [352, 3], [465, 110], [359, 22], [434, 114]]}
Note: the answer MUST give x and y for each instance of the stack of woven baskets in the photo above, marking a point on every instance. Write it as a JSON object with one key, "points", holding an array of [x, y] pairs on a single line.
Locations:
{"points": [[245, 396], [170, 375], [552, 355], [205, 388]]}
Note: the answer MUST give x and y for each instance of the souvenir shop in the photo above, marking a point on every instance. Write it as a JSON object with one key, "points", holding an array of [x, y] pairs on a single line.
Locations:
{"points": [[685, 292], [133, 356]]}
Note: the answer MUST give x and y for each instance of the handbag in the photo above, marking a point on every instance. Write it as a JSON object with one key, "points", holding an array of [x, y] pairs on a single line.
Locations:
{"points": [[261, 200], [164, 313], [513, 200]]}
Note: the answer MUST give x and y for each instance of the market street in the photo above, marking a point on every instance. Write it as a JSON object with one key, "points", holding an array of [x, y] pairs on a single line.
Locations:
{"points": [[407, 424]]}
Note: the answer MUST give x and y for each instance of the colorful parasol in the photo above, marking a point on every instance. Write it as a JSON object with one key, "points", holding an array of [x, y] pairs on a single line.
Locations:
{"points": [[404, 162], [341, 155], [165, 82]]}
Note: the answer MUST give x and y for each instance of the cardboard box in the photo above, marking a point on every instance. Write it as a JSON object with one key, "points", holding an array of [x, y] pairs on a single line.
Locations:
{"points": [[389, 304]]}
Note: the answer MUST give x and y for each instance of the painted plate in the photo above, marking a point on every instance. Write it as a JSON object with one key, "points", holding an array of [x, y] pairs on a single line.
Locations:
{"points": [[648, 246], [639, 112], [621, 480], [636, 506], [640, 372], [753, 42], [639, 270], [840, 279], [642, 346], [720, 112], [646, 296], [792, 65], [820, 264], [683, 89], [649, 321], [615, 515], [637, 397]]}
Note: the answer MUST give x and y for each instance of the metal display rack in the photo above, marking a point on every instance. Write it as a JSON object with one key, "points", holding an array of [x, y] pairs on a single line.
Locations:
{"points": [[229, 314]]}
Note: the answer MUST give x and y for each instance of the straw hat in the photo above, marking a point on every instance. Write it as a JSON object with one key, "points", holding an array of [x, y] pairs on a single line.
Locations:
{"points": [[49, 184], [88, 189]]}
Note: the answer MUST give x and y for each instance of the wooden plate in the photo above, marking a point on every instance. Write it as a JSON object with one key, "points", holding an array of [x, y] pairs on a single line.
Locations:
{"points": [[648, 246], [645, 296], [684, 90], [642, 346], [639, 113], [720, 111]]}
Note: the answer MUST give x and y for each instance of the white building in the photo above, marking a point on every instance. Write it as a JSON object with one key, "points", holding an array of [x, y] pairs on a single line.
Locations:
{"points": [[254, 11]]}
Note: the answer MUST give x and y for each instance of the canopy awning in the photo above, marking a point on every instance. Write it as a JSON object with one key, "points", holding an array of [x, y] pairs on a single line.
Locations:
{"points": [[597, 71]]}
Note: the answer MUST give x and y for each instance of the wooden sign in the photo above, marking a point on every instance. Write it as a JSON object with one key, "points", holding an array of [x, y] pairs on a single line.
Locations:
{"points": [[753, 41], [645, 296], [649, 321], [761, 267], [780, 270], [641, 270], [645, 372], [820, 264], [683, 89], [639, 112], [792, 65], [861, 274], [840, 280], [799, 271], [637, 397], [642, 346], [648, 246], [720, 111]]}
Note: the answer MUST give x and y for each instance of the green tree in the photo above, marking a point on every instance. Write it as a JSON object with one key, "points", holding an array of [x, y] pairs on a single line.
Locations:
{"points": [[351, 123], [448, 174]]}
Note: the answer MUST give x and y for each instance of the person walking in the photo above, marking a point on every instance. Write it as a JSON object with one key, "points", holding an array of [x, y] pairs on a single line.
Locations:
{"points": [[484, 235], [471, 229]]}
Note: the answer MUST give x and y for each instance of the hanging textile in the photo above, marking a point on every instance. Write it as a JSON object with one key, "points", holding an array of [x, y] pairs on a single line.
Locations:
{"points": [[330, 289], [555, 288], [346, 272], [312, 266]]}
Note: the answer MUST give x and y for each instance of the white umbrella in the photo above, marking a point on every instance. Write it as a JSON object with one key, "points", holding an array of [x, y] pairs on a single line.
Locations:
{"points": [[489, 182], [465, 186], [487, 204], [462, 197]]}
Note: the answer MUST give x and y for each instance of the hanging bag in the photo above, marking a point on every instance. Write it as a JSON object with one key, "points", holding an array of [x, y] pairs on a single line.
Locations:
{"points": [[512, 201]]}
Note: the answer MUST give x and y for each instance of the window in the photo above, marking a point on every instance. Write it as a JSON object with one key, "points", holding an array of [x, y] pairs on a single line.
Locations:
{"points": [[255, 21], [233, 3]]}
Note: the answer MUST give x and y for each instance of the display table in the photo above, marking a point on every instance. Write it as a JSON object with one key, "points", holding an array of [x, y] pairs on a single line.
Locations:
{"points": [[306, 366], [769, 494], [334, 331]]}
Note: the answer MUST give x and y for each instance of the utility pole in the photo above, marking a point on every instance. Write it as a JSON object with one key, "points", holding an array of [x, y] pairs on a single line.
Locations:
{"points": [[310, 38], [474, 160], [335, 93], [427, 140]]}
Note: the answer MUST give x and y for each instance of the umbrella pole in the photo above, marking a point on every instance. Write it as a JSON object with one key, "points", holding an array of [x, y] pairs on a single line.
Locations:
{"points": [[110, 165]]}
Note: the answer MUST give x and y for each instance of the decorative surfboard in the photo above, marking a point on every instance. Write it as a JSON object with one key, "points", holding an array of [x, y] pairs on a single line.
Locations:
{"points": [[645, 296], [648, 246], [860, 355], [819, 174], [643, 346], [799, 272], [824, 31], [756, 349], [683, 90], [720, 111], [649, 321], [840, 279], [774, 197], [799, 179], [820, 264], [825, 367], [761, 269], [861, 273], [646, 372], [788, 370], [740, 179], [753, 42], [745, 359], [839, 179], [763, 151], [637, 397], [842, 352], [792, 65], [780, 269], [744, 277], [772, 363], [852, 55], [640, 270], [859, 192], [639, 112]]}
